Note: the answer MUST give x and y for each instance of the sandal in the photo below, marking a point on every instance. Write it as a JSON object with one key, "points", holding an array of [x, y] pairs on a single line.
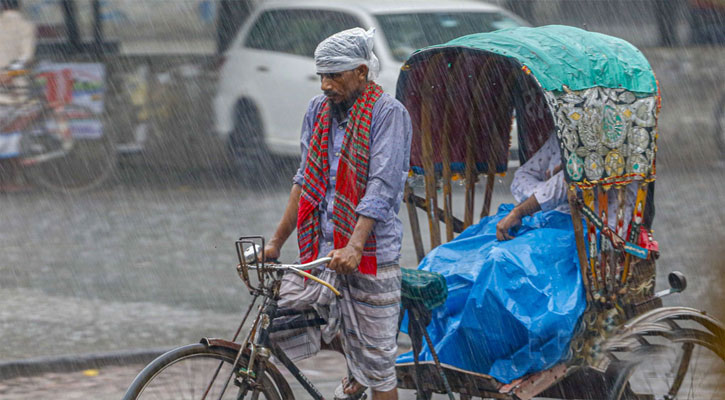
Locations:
{"points": [[358, 395]]}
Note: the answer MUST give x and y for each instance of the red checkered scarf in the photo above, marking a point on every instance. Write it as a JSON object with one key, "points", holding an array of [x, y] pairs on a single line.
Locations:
{"points": [[352, 177]]}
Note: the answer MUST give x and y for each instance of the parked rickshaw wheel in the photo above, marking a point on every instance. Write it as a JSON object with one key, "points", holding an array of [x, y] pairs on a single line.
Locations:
{"points": [[670, 353], [86, 165]]}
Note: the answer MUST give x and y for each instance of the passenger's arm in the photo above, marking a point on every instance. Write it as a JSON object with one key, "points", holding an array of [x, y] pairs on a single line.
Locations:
{"points": [[533, 173], [552, 193], [545, 196], [513, 219]]}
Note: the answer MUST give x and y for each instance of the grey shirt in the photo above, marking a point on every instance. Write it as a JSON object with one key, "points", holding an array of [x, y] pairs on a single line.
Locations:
{"points": [[390, 135]]}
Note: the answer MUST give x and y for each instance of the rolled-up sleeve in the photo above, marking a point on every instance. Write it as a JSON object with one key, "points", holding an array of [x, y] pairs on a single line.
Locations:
{"points": [[551, 193], [530, 179], [308, 124], [389, 163]]}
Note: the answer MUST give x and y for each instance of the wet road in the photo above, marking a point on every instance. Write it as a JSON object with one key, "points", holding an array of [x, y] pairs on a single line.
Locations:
{"points": [[149, 265], [148, 261], [111, 383]]}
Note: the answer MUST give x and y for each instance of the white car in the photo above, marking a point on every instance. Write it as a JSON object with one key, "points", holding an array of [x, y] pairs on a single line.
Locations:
{"points": [[268, 76]]}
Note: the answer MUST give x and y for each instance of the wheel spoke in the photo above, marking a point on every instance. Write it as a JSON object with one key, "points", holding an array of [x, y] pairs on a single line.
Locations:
{"points": [[684, 364]]}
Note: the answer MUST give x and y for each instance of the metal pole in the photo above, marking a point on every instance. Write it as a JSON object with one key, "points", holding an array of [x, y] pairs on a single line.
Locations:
{"points": [[97, 27], [71, 24]]}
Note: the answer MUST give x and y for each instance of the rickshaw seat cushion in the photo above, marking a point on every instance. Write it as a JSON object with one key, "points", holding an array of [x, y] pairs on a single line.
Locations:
{"points": [[424, 288]]}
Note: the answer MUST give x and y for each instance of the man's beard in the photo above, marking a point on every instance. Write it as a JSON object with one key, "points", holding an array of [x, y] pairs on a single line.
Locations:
{"points": [[339, 110]]}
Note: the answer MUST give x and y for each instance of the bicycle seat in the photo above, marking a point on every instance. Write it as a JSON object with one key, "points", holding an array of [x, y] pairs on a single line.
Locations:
{"points": [[423, 288]]}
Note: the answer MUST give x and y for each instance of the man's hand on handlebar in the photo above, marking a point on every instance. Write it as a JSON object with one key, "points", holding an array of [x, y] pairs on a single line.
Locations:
{"points": [[271, 253], [345, 260]]}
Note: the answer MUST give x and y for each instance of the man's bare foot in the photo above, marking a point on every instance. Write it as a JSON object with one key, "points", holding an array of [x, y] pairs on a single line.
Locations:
{"points": [[351, 387]]}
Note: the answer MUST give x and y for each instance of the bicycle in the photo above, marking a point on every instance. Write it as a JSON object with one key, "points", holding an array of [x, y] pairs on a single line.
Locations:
{"points": [[207, 369], [51, 153]]}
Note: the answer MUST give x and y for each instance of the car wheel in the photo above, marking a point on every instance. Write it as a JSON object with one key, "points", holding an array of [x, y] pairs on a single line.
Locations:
{"points": [[249, 155]]}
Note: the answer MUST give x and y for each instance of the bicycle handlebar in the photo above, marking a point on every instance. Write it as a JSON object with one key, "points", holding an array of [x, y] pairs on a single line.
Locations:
{"points": [[311, 264], [298, 269]]}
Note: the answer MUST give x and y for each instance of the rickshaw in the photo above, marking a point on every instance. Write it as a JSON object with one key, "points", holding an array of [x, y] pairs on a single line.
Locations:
{"points": [[598, 95]]}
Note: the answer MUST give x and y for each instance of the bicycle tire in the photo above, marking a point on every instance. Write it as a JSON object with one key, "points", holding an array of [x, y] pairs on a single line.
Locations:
{"points": [[185, 373], [720, 124], [87, 165]]}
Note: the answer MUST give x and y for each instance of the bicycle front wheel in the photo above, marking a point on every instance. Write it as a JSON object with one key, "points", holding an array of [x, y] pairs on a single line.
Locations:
{"points": [[193, 372], [85, 165]]}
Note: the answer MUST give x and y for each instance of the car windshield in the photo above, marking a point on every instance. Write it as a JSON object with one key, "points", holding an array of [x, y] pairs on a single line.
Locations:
{"points": [[408, 32]]}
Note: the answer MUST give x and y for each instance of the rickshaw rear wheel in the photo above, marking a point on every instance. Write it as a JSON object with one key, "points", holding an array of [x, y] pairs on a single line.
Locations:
{"points": [[677, 357]]}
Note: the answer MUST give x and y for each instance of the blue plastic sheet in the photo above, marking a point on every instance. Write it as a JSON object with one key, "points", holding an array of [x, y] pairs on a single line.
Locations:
{"points": [[512, 306]]}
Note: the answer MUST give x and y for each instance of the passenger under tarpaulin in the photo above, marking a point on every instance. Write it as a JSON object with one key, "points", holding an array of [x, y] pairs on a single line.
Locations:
{"points": [[515, 289]]}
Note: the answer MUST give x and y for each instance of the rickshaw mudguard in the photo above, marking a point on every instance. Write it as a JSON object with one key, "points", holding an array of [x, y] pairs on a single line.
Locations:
{"points": [[664, 322]]}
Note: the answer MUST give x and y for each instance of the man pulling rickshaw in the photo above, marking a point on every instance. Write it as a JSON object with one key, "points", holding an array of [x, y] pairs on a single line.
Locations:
{"points": [[344, 202]]}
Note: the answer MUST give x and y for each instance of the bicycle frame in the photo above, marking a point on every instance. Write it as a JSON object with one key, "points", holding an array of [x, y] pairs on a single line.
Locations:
{"points": [[258, 339], [262, 347]]}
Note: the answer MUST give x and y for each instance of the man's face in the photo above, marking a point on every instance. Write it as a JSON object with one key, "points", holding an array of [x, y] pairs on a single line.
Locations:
{"points": [[342, 88]]}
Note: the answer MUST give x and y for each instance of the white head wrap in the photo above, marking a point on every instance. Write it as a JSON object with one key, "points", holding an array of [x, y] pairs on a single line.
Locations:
{"points": [[347, 50]]}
